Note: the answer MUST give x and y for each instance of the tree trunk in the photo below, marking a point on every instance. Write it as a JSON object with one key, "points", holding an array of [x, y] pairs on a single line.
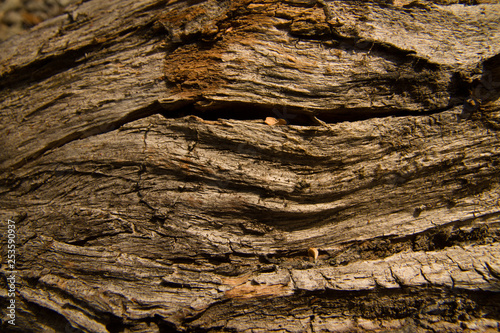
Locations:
{"points": [[171, 166]]}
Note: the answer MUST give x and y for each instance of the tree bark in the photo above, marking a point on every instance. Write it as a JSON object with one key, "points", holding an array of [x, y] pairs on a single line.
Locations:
{"points": [[168, 165]]}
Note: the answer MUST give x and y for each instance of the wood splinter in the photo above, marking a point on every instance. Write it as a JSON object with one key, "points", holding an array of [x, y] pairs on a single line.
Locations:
{"points": [[313, 253]]}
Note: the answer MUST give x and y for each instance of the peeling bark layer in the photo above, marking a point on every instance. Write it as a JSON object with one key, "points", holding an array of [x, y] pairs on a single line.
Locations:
{"points": [[150, 195]]}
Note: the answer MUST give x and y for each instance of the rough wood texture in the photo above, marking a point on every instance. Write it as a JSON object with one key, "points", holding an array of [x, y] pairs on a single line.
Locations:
{"points": [[150, 195]]}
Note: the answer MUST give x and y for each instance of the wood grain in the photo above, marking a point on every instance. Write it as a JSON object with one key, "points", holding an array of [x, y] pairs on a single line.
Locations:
{"points": [[151, 194]]}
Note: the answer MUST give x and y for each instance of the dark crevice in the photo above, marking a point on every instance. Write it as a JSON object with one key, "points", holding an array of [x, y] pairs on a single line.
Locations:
{"points": [[48, 318], [117, 326], [175, 285], [43, 68], [50, 65], [45, 318], [97, 129], [293, 221], [360, 114], [292, 115], [456, 233], [165, 326], [83, 242], [418, 306], [54, 318]]}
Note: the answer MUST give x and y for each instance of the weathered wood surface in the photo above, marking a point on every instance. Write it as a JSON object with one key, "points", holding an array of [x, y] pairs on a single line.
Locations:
{"points": [[133, 218]]}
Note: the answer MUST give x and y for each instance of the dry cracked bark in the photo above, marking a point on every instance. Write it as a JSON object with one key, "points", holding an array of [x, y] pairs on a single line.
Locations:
{"points": [[149, 194]]}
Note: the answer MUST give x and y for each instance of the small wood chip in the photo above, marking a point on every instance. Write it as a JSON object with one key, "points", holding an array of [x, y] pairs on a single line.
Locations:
{"points": [[271, 121], [313, 253]]}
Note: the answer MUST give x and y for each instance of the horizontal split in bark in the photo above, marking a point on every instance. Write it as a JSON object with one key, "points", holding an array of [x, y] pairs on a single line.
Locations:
{"points": [[350, 311], [92, 130]]}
